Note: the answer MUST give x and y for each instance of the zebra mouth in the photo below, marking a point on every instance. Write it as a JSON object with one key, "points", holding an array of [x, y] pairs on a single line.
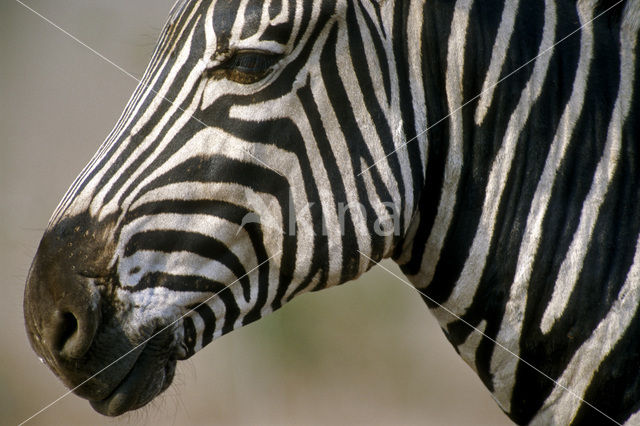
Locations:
{"points": [[150, 375]]}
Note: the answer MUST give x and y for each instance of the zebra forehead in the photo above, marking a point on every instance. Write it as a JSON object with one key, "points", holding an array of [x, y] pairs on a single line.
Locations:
{"points": [[270, 25]]}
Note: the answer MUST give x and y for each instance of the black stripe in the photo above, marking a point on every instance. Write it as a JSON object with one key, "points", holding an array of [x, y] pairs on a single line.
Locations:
{"points": [[225, 210], [143, 106], [190, 335], [436, 29], [252, 19], [480, 148], [223, 19], [572, 184], [209, 320], [349, 240], [168, 241], [377, 47], [275, 8], [197, 284]]}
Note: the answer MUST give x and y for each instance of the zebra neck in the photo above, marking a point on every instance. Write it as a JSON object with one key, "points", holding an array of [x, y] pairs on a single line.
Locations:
{"points": [[527, 227]]}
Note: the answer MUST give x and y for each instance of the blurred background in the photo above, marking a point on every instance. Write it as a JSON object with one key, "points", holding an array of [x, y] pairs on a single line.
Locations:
{"points": [[367, 352]]}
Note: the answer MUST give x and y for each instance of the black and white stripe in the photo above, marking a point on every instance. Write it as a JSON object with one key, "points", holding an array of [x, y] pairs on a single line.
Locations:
{"points": [[518, 208], [533, 237]]}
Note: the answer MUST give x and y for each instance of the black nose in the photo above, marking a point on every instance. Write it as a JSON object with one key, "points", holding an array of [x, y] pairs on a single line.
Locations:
{"points": [[62, 313], [62, 306]]}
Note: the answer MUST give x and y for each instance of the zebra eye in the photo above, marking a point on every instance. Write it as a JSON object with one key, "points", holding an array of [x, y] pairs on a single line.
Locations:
{"points": [[246, 66]]}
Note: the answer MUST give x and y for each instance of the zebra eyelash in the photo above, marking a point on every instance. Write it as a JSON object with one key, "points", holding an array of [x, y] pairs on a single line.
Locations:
{"points": [[246, 66]]}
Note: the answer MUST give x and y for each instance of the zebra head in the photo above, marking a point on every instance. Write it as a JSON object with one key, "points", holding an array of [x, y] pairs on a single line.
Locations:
{"points": [[262, 155]]}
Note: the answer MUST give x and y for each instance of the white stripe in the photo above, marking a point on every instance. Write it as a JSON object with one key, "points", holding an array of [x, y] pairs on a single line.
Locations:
{"points": [[511, 327], [634, 420], [414, 32], [179, 263], [382, 215], [230, 192], [467, 285], [574, 259], [239, 23], [339, 145], [159, 302], [498, 56], [555, 157], [455, 74], [160, 145], [210, 226], [85, 198], [151, 140], [362, 115], [198, 324], [296, 24], [283, 16], [561, 407], [393, 116], [515, 307], [125, 118], [330, 224], [469, 347]]}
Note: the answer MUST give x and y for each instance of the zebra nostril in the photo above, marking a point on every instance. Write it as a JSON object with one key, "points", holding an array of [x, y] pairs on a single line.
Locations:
{"points": [[66, 326], [72, 332]]}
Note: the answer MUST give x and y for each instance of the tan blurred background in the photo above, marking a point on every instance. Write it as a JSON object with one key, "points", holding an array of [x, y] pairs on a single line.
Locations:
{"points": [[367, 352]]}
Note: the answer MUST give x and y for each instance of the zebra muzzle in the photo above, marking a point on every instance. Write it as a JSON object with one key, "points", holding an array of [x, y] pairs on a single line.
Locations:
{"points": [[76, 328]]}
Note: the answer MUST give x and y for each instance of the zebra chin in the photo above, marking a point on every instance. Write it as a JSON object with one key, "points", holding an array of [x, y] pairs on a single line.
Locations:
{"points": [[150, 375], [82, 331]]}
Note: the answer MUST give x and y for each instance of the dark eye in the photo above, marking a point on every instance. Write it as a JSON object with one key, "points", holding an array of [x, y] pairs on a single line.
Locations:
{"points": [[246, 66]]}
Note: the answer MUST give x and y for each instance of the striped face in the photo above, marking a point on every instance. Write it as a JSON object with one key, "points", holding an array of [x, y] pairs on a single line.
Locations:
{"points": [[238, 177]]}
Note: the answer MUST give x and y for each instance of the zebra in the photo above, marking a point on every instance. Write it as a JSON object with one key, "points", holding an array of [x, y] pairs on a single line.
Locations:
{"points": [[489, 148]]}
